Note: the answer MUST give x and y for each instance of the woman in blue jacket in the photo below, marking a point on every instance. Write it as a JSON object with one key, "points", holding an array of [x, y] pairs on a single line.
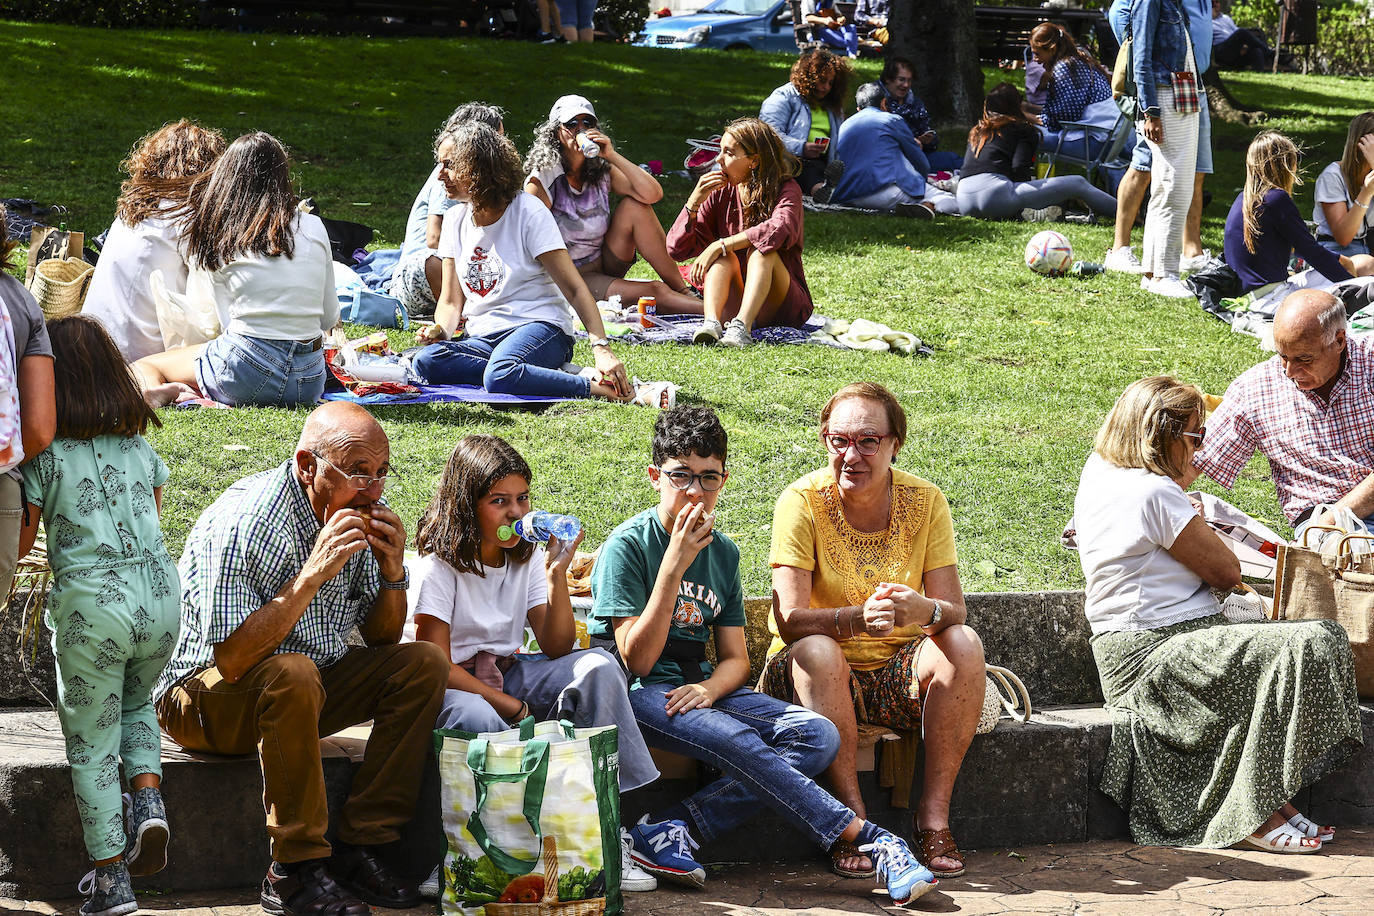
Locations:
{"points": [[806, 111]]}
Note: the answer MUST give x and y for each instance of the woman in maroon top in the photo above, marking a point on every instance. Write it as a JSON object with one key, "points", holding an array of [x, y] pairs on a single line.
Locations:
{"points": [[751, 208]]}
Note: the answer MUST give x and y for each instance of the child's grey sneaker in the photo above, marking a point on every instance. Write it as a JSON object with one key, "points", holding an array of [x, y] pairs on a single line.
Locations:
{"points": [[735, 335], [709, 332], [433, 886], [108, 891], [145, 822]]}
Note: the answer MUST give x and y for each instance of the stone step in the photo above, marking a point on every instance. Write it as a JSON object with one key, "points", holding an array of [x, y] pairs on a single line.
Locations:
{"points": [[1022, 784]]}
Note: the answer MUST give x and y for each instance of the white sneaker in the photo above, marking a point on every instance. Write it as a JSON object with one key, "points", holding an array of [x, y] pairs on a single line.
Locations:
{"points": [[433, 886], [1044, 215], [1123, 260], [1171, 287], [736, 335], [632, 877], [709, 332], [1188, 265]]}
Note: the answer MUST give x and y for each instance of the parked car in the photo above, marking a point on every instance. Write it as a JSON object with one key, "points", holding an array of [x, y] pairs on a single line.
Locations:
{"points": [[759, 25]]}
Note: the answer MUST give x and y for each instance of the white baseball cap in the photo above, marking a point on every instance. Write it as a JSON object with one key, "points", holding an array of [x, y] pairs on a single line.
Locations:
{"points": [[569, 107]]}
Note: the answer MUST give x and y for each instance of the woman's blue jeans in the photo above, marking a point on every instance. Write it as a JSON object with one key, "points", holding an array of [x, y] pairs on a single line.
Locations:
{"points": [[525, 359], [766, 750]]}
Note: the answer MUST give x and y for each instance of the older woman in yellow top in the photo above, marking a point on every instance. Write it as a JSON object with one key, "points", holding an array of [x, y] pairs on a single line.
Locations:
{"points": [[869, 622]]}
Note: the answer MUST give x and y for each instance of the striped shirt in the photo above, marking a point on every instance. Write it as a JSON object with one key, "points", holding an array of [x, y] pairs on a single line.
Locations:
{"points": [[243, 550], [1318, 450]]}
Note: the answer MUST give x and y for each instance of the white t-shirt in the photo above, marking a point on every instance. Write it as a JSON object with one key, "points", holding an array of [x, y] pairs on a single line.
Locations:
{"points": [[483, 614], [120, 296], [1331, 189], [281, 298], [1127, 519], [504, 285], [433, 200]]}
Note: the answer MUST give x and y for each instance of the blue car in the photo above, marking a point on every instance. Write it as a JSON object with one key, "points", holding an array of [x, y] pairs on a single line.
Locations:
{"points": [[731, 25]]}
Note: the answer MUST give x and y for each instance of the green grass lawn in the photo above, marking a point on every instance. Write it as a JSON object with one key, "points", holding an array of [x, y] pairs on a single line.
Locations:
{"points": [[1001, 417]]}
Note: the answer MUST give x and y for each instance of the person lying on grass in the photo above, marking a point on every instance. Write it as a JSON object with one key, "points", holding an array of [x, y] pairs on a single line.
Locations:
{"points": [[503, 320]]}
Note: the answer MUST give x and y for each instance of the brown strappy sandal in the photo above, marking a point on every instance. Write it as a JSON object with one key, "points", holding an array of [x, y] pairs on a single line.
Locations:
{"points": [[844, 849], [936, 844]]}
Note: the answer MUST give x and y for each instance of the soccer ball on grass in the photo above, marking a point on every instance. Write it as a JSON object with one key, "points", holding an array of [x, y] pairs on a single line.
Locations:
{"points": [[1049, 253]]}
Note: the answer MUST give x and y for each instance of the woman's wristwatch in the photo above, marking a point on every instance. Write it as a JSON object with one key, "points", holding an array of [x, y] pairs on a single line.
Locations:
{"points": [[599, 342], [936, 614]]}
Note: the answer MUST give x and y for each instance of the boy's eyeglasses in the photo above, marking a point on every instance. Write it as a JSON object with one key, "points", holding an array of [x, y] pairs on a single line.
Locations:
{"points": [[867, 444], [581, 122], [1200, 435], [710, 481], [361, 481]]}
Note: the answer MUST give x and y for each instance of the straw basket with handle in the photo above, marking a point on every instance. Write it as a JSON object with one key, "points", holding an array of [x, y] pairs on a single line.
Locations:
{"points": [[550, 905], [60, 284], [1335, 586]]}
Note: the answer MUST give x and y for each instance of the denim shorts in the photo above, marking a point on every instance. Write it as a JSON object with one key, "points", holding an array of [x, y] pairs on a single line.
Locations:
{"points": [[1141, 158], [576, 13], [255, 372]]}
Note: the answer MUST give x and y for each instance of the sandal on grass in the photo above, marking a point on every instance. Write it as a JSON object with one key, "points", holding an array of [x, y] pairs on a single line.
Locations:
{"points": [[1309, 828], [1283, 839], [844, 849], [939, 844]]}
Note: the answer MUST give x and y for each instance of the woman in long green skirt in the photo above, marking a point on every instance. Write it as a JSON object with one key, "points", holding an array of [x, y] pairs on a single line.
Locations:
{"points": [[1215, 726]]}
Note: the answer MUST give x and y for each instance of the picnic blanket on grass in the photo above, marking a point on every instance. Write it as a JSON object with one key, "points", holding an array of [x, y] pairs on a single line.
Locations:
{"points": [[438, 394], [818, 329]]}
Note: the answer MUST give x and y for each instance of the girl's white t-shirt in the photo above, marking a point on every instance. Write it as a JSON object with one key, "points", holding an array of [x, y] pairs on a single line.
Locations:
{"points": [[1331, 189], [121, 296], [1127, 519], [504, 285], [484, 614], [281, 298]]}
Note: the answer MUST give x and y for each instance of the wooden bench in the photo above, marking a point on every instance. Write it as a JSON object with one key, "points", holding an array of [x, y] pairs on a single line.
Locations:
{"points": [[1004, 31], [395, 17]]}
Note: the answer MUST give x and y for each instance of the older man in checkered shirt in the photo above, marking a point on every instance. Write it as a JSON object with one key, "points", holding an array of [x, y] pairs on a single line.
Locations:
{"points": [[276, 574], [1309, 411]]}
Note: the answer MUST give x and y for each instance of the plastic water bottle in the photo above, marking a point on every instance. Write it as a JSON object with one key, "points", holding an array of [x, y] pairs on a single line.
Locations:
{"points": [[538, 526], [1084, 269]]}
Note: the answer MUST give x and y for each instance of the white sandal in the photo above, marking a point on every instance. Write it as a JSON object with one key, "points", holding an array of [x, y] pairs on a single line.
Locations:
{"points": [[1284, 839], [1311, 829], [662, 395]]}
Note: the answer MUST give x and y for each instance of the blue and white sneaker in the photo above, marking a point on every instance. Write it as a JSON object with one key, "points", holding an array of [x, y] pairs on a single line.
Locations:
{"points": [[145, 824], [665, 849], [906, 878], [108, 891]]}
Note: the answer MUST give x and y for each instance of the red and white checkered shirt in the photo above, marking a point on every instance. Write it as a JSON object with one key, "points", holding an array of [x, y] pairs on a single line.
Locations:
{"points": [[1318, 450]]}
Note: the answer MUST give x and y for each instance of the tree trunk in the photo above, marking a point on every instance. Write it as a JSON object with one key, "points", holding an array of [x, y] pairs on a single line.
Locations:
{"points": [[939, 37], [1224, 106]]}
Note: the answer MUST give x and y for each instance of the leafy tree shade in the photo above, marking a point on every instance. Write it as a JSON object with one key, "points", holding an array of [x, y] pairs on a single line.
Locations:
{"points": [[940, 38]]}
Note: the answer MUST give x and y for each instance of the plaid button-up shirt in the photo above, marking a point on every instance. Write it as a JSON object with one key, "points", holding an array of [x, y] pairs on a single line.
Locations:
{"points": [[1318, 450], [243, 549]]}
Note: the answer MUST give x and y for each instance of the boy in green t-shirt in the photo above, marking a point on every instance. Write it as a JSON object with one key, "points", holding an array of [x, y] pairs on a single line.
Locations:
{"points": [[663, 582]]}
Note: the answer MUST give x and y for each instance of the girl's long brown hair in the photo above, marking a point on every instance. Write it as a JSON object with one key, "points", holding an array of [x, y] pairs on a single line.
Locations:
{"points": [[162, 166], [96, 392], [1354, 168], [1270, 162], [448, 528], [759, 193], [1053, 41], [1000, 108], [243, 205]]}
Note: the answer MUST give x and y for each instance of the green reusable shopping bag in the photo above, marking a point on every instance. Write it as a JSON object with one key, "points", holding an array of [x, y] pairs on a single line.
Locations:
{"points": [[503, 793]]}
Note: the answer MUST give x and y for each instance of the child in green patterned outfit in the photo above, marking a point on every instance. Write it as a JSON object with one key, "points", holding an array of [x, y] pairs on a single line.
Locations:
{"points": [[114, 608]]}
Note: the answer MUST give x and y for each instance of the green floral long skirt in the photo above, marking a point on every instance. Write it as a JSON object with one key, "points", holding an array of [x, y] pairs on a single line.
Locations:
{"points": [[1215, 725]]}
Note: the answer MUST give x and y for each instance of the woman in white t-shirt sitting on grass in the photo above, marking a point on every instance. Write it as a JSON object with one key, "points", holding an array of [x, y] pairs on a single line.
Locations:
{"points": [[272, 274], [507, 280], [1345, 191], [1215, 726]]}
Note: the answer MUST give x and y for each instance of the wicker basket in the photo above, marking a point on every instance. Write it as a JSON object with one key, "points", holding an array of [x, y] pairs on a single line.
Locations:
{"points": [[702, 158], [550, 905], [60, 284]]}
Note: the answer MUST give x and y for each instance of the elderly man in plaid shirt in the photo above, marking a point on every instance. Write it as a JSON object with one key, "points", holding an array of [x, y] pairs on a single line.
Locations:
{"points": [[1309, 411], [276, 574]]}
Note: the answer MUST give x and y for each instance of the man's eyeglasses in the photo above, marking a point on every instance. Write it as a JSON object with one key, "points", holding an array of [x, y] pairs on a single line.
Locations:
{"points": [[581, 122], [710, 481], [361, 481], [1199, 436], [867, 443]]}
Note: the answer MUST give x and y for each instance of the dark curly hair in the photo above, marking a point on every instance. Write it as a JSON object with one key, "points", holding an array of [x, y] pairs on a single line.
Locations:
{"points": [[688, 430], [448, 527], [487, 164], [812, 68]]}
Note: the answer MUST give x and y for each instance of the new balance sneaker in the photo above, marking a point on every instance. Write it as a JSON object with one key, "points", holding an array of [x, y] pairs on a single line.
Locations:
{"points": [[145, 823], [433, 886], [1123, 260], [108, 891], [1197, 262], [736, 335], [906, 879], [709, 332], [1043, 215], [632, 877], [665, 850]]}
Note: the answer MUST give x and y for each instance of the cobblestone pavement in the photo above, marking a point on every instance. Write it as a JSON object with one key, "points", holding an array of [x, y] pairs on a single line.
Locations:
{"points": [[1088, 879]]}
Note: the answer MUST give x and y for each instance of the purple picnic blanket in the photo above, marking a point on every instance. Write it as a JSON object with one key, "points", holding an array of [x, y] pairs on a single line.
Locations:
{"points": [[680, 328], [436, 394]]}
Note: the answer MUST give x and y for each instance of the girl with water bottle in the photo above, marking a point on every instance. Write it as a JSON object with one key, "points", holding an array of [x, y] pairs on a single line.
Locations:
{"points": [[479, 583]]}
